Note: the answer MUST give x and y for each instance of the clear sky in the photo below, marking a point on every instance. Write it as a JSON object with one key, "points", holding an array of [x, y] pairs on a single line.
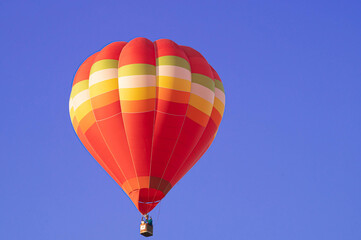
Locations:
{"points": [[286, 163]]}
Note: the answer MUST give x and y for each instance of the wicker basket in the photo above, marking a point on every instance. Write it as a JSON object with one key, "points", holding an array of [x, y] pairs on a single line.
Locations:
{"points": [[146, 230]]}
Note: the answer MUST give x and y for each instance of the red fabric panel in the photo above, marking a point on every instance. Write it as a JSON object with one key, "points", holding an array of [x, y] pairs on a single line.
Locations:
{"points": [[96, 141], [198, 63], [96, 156], [107, 111], [139, 132], [197, 152], [166, 47], [166, 131], [113, 132], [171, 107], [84, 69], [215, 74], [139, 50], [111, 51], [189, 136]]}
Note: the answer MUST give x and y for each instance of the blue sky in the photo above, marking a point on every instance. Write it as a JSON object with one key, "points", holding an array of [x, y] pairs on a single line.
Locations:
{"points": [[286, 163]]}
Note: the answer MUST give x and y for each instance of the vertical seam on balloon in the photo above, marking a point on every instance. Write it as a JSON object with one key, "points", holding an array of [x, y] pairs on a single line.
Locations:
{"points": [[125, 131], [180, 132], [197, 142], [154, 118], [86, 139], [131, 156], [96, 122]]}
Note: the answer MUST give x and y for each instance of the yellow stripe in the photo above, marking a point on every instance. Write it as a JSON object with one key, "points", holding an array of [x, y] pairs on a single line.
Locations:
{"points": [[103, 87], [174, 83], [103, 64], [201, 104], [136, 69], [80, 86], [137, 93], [219, 106], [71, 113], [83, 110]]}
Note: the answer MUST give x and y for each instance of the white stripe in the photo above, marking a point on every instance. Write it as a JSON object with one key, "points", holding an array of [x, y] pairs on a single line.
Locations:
{"points": [[220, 95], [203, 92], [135, 81], [174, 71], [103, 75], [80, 98], [70, 104]]}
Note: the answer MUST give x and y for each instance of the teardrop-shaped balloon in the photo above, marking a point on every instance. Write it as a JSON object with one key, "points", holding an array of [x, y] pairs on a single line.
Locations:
{"points": [[146, 111]]}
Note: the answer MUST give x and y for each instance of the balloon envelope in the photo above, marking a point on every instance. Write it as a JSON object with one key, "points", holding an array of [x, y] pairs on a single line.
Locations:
{"points": [[146, 111]]}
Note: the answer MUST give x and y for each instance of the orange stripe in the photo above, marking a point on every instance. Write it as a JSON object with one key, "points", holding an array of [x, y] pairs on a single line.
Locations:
{"points": [[107, 111], [75, 125], [105, 99], [87, 122], [197, 116], [216, 117], [146, 182], [137, 106], [173, 95]]}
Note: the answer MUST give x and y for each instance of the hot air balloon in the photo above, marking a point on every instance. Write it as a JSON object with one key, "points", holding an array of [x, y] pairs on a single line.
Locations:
{"points": [[147, 112]]}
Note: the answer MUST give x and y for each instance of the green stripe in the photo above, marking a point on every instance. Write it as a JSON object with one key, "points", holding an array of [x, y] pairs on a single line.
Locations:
{"points": [[174, 61], [219, 85], [104, 64], [78, 87], [136, 69], [203, 80]]}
